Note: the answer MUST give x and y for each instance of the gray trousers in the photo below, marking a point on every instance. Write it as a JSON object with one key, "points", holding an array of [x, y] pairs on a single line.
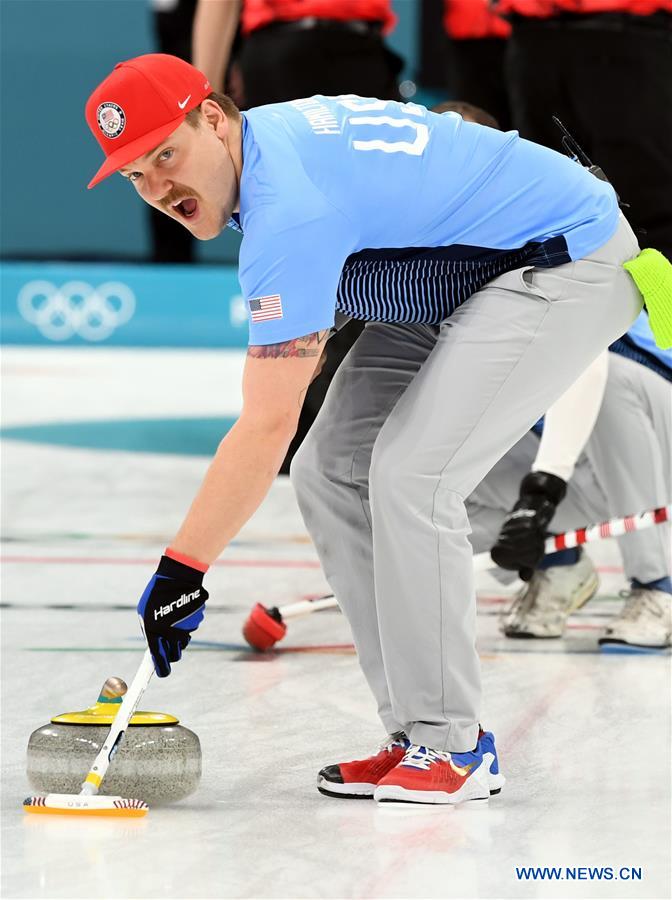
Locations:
{"points": [[412, 423], [626, 467]]}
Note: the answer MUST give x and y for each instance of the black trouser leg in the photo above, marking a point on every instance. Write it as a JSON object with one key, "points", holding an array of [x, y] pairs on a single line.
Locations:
{"points": [[171, 242], [476, 75], [612, 89], [337, 348], [279, 65]]}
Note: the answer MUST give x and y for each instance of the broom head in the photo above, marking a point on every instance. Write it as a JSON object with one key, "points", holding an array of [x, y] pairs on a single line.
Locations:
{"points": [[83, 805]]}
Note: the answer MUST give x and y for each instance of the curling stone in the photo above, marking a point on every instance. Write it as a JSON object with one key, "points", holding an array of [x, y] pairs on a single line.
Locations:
{"points": [[158, 760]]}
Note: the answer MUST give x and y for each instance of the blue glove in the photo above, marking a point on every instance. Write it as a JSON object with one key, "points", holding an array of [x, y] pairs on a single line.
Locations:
{"points": [[171, 607]]}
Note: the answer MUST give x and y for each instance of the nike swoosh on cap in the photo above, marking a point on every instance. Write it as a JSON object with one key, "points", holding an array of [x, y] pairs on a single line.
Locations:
{"points": [[184, 102]]}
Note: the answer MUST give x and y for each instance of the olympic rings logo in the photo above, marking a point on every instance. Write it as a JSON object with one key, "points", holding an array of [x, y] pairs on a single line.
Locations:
{"points": [[76, 308]]}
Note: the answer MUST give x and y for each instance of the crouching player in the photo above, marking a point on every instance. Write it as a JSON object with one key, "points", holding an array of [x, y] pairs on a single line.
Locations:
{"points": [[605, 451], [531, 250]]}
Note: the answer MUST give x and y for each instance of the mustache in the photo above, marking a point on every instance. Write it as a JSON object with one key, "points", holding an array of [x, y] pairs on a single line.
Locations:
{"points": [[177, 193]]}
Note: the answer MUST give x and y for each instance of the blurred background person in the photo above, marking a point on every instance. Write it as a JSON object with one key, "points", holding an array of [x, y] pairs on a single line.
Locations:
{"points": [[604, 67], [172, 25], [173, 22], [478, 38], [297, 48], [604, 452], [468, 111]]}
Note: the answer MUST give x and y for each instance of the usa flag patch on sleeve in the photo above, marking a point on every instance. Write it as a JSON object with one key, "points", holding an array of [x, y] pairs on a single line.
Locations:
{"points": [[264, 308]]}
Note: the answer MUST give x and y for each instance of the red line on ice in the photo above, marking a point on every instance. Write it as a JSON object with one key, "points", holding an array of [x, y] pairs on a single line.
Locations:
{"points": [[537, 711], [151, 561]]}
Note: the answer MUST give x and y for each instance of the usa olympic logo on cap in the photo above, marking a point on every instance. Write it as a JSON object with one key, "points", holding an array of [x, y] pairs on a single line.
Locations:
{"points": [[111, 119]]}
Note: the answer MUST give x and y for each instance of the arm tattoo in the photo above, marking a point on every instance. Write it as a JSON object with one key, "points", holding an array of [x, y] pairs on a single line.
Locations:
{"points": [[308, 345]]}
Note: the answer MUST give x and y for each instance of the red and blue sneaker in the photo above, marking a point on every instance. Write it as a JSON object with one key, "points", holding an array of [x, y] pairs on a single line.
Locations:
{"points": [[357, 780], [434, 776]]}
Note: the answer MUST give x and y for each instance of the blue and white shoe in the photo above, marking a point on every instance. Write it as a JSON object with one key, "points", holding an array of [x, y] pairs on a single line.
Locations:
{"points": [[486, 744]]}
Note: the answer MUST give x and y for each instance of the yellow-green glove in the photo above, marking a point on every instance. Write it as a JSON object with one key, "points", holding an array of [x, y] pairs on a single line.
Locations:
{"points": [[652, 273]]}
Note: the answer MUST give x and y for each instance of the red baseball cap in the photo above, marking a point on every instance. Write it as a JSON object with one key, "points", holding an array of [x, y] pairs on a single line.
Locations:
{"points": [[139, 104]]}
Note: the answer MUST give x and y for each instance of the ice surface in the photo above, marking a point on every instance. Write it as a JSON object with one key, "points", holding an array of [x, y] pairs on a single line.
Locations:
{"points": [[584, 738]]}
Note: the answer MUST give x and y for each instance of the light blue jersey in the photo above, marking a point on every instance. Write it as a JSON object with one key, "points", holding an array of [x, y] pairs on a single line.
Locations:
{"points": [[330, 179]]}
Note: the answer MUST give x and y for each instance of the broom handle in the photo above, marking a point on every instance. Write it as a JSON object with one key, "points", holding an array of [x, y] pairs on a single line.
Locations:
{"points": [[612, 528], [567, 540], [591, 533], [129, 703], [305, 607]]}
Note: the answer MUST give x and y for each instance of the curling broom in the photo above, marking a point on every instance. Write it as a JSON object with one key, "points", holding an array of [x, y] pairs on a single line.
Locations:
{"points": [[264, 627]]}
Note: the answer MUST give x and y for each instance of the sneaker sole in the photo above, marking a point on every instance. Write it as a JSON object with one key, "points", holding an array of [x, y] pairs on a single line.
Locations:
{"points": [[620, 646], [329, 789], [496, 783], [587, 593], [392, 793], [354, 791]]}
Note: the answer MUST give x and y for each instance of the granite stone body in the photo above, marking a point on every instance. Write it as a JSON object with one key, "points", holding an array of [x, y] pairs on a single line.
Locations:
{"points": [[155, 763]]}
